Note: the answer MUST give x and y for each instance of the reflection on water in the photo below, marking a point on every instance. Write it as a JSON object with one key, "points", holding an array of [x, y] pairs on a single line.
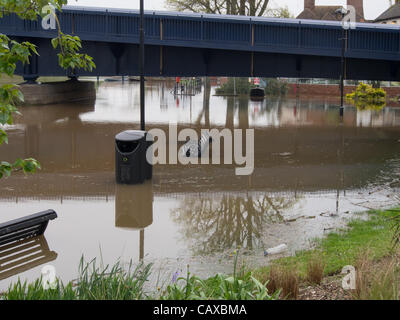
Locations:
{"points": [[134, 206], [134, 209], [311, 172], [213, 224], [19, 256]]}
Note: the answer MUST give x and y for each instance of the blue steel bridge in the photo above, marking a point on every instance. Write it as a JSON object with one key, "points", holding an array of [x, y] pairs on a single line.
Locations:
{"points": [[213, 45]]}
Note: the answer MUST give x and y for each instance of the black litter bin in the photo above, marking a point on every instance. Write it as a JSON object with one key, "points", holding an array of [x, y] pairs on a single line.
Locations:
{"points": [[131, 166]]}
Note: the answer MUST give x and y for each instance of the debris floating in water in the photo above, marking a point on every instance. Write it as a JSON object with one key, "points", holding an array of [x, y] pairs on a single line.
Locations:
{"points": [[275, 250]]}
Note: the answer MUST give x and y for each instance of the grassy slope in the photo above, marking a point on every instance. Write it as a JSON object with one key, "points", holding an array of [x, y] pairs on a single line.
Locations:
{"points": [[343, 247]]}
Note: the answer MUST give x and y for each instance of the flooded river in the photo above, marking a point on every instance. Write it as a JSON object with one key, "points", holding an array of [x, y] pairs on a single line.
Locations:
{"points": [[312, 173]]}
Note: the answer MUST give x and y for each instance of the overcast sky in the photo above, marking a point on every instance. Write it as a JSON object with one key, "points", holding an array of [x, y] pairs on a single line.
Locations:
{"points": [[372, 8]]}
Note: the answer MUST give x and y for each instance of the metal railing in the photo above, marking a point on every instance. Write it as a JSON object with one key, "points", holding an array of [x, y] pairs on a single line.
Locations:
{"points": [[368, 40]]}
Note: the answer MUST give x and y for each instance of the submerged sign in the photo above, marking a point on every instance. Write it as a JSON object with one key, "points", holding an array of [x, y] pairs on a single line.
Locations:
{"points": [[196, 149]]}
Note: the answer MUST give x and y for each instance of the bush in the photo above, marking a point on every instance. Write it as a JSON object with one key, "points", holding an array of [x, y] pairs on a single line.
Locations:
{"points": [[377, 280], [315, 269], [365, 97], [284, 279]]}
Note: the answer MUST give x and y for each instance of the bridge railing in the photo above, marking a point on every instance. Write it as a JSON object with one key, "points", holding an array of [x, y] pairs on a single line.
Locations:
{"points": [[217, 32]]}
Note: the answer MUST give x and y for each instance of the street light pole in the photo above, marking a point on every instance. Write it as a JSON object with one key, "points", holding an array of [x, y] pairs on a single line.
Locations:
{"points": [[141, 68], [342, 72], [342, 13]]}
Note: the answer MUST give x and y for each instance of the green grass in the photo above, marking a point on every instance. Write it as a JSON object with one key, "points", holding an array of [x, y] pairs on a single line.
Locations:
{"points": [[343, 247], [94, 283], [239, 286], [116, 283], [219, 287]]}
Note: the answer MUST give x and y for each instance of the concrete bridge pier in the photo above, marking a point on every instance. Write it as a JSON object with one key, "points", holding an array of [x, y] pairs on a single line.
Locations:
{"points": [[31, 70], [58, 92]]}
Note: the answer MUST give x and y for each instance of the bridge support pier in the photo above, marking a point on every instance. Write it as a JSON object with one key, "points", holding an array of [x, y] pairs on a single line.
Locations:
{"points": [[31, 69], [58, 92]]}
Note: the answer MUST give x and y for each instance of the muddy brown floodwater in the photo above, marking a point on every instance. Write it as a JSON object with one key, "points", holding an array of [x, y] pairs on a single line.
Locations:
{"points": [[311, 175]]}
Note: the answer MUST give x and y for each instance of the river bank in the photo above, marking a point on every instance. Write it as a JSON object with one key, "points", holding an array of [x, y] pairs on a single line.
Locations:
{"points": [[366, 243]]}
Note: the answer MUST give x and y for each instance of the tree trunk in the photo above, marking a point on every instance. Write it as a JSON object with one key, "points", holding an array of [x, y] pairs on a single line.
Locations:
{"points": [[242, 7], [252, 7]]}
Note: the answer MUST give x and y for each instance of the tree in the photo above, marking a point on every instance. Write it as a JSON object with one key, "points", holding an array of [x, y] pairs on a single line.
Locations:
{"points": [[233, 7], [282, 12], [13, 52]]}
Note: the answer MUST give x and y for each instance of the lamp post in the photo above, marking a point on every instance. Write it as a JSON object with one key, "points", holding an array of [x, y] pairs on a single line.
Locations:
{"points": [[342, 73], [141, 67], [341, 12]]}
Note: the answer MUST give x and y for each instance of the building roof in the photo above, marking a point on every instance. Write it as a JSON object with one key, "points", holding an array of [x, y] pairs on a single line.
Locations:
{"points": [[392, 13], [319, 12], [324, 13]]}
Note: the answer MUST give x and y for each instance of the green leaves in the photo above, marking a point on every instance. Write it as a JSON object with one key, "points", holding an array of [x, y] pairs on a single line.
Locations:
{"points": [[69, 56], [28, 9], [55, 42], [26, 165], [9, 93], [12, 52], [9, 96], [5, 169], [365, 97], [3, 137], [94, 283], [219, 287]]}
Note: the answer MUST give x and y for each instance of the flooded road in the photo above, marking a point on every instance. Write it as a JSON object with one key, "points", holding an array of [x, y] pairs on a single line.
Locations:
{"points": [[311, 175]]}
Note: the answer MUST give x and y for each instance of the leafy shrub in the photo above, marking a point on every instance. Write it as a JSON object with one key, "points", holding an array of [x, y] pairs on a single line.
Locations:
{"points": [[365, 97], [220, 286], [240, 286]]}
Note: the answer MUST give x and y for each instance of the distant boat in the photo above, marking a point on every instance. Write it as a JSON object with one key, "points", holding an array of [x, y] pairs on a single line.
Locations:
{"points": [[257, 93]]}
